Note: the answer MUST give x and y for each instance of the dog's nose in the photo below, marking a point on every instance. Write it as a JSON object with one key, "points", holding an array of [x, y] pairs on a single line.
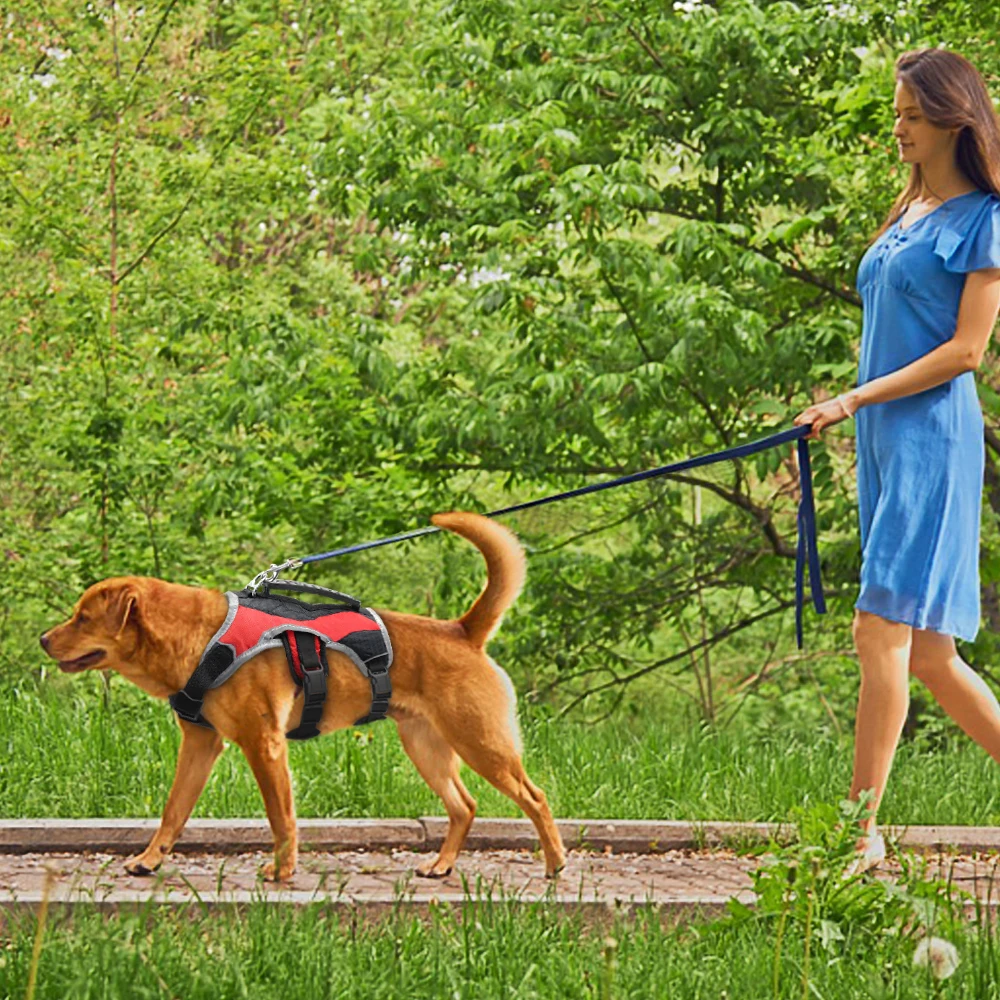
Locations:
{"points": [[45, 641]]}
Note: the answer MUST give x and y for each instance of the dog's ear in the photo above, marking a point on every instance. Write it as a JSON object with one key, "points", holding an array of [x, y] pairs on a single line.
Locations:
{"points": [[123, 606]]}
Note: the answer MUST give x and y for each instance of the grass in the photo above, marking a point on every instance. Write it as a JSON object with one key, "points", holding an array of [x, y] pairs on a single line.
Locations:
{"points": [[64, 753], [481, 950]]}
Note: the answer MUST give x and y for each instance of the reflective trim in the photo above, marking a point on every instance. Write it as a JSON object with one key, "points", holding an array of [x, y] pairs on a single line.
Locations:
{"points": [[234, 606]]}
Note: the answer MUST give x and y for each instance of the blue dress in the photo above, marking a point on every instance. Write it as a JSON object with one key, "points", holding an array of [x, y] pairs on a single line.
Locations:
{"points": [[920, 458]]}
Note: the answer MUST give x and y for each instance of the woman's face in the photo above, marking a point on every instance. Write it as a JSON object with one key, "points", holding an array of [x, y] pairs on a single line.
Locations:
{"points": [[918, 141]]}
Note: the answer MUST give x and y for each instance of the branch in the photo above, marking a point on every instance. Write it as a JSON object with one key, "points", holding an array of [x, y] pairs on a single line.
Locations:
{"points": [[603, 668], [802, 273], [612, 708], [177, 218], [646, 47], [713, 419], [760, 514], [714, 577], [750, 684], [683, 655], [152, 41], [84, 252], [642, 508], [576, 675], [628, 316]]}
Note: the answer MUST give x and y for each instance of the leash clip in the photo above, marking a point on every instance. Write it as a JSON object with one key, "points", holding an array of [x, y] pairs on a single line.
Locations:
{"points": [[270, 574]]}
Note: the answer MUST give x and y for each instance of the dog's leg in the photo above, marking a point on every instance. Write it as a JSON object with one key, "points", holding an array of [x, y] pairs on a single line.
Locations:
{"points": [[438, 764], [488, 745], [267, 754], [508, 775], [200, 748]]}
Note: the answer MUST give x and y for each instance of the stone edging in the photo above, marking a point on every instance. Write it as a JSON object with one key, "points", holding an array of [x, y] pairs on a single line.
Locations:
{"points": [[128, 836]]}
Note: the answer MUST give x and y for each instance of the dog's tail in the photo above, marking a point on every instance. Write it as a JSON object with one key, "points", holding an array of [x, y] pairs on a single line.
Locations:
{"points": [[505, 568]]}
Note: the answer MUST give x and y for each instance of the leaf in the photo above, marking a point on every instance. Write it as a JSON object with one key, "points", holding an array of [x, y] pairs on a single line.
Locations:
{"points": [[830, 934], [739, 911]]}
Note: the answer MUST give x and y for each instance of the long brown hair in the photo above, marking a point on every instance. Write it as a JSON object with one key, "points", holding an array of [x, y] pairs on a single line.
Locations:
{"points": [[951, 94]]}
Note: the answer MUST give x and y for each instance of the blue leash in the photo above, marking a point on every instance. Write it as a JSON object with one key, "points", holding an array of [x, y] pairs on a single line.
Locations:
{"points": [[806, 523]]}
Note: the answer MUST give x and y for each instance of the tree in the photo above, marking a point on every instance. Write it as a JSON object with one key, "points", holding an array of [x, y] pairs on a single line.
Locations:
{"points": [[281, 279]]}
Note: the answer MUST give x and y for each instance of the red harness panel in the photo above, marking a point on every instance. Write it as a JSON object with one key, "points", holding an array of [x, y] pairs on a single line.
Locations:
{"points": [[250, 624]]}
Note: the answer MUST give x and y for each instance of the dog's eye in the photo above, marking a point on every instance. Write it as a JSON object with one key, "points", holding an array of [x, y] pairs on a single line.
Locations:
{"points": [[82, 618]]}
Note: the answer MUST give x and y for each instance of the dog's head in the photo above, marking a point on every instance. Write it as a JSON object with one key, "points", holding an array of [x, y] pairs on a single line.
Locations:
{"points": [[103, 630]]}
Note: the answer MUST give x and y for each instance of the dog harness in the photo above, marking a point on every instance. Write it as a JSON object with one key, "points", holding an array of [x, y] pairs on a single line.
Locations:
{"points": [[259, 620]]}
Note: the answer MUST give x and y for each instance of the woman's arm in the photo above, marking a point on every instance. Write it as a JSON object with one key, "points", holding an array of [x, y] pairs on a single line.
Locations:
{"points": [[977, 314]]}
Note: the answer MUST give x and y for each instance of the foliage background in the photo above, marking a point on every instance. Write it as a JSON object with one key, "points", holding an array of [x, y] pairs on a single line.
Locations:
{"points": [[280, 276]]}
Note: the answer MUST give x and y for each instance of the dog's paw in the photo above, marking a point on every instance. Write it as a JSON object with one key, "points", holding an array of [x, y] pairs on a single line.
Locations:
{"points": [[276, 873], [556, 872], [140, 865], [434, 869]]}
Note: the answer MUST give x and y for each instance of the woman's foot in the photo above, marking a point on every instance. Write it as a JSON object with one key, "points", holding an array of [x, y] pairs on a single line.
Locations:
{"points": [[870, 853]]}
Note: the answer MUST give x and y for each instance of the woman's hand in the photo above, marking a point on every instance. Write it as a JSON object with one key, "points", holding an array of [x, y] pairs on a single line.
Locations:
{"points": [[827, 413]]}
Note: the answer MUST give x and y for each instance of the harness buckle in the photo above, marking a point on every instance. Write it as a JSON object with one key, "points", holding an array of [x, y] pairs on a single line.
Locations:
{"points": [[313, 685], [381, 686], [381, 694], [187, 708]]}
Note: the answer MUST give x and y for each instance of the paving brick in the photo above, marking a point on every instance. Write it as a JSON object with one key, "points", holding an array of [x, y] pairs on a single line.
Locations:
{"points": [[375, 878]]}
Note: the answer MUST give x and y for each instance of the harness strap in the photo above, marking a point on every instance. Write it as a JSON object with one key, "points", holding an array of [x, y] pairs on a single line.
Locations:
{"points": [[308, 666], [381, 693], [307, 663], [187, 703], [189, 709]]}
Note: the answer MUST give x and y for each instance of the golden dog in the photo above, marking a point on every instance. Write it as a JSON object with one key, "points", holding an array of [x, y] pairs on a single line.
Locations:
{"points": [[449, 699]]}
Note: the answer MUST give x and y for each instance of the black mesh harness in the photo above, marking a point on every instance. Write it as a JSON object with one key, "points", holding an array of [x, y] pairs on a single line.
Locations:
{"points": [[259, 620]]}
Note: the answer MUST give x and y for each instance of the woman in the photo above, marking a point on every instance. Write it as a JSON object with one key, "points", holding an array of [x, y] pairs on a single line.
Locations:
{"points": [[930, 288]]}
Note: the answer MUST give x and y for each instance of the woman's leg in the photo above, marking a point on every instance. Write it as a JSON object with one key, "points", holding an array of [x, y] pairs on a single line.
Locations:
{"points": [[883, 650], [961, 692]]}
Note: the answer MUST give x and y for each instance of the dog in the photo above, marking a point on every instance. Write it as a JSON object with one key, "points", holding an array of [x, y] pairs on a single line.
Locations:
{"points": [[450, 701]]}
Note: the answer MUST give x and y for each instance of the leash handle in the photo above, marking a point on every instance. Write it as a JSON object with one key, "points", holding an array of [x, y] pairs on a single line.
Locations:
{"points": [[301, 587]]}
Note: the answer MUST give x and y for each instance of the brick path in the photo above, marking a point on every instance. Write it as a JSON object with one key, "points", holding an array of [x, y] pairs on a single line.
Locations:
{"points": [[683, 868], [386, 878], [679, 881]]}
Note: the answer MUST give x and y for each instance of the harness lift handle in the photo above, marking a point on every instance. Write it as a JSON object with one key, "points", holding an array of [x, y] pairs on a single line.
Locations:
{"points": [[300, 587]]}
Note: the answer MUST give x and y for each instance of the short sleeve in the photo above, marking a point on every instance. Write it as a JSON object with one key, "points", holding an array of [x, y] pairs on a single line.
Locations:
{"points": [[970, 241]]}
